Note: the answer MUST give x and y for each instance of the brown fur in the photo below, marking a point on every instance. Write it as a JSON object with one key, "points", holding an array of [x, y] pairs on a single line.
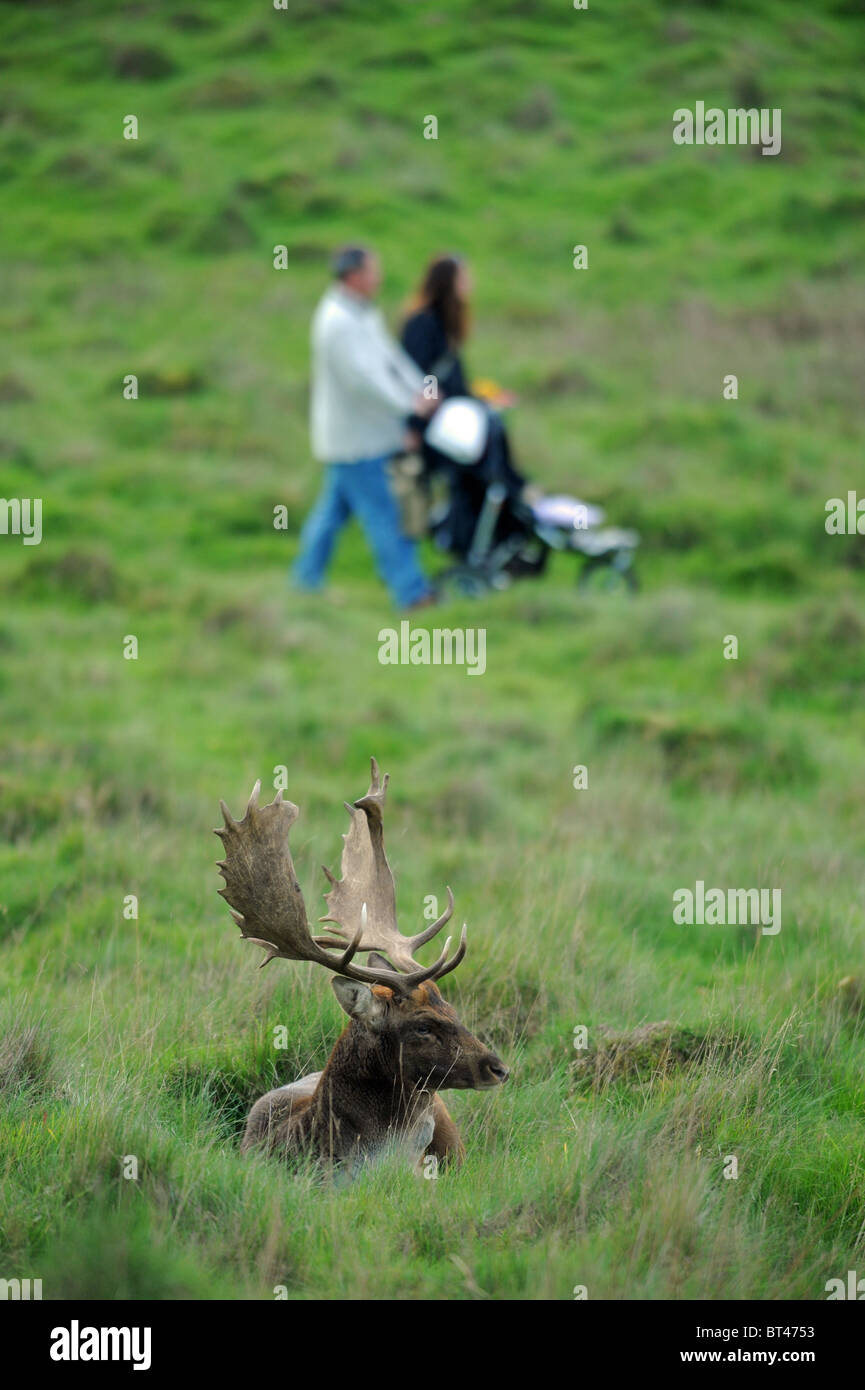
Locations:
{"points": [[379, 1086]]}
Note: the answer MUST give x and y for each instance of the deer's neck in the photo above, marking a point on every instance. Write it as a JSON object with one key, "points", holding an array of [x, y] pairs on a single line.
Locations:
{"points": [[363, 1089]]}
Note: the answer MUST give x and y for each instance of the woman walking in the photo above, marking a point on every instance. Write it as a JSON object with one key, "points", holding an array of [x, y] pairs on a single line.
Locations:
{"points": [[433, 336]]}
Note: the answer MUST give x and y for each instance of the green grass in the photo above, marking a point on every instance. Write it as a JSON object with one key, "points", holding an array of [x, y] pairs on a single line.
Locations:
{"points": [[151, 1037]]}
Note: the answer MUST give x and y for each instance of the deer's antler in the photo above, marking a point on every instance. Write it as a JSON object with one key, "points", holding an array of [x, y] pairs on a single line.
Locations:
{"points": [[367, 880], [262, 889]]}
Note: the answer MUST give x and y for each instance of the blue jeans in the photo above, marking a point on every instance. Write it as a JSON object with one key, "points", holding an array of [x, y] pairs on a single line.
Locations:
{"points": [[360, 489]]}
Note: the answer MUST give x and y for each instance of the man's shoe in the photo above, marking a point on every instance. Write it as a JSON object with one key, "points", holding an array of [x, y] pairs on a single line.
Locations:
{"points": [[428, 601]]}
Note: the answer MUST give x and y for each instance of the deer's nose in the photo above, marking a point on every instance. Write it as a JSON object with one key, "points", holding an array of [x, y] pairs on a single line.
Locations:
{"points": [[497, 1069]]}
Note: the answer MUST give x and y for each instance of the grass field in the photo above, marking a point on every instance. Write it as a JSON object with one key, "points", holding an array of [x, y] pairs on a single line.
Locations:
{"points": [[151, 1037]]}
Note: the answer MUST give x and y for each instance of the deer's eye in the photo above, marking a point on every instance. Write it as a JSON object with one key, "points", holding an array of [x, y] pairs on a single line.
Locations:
{"points": [[422, 1031]]}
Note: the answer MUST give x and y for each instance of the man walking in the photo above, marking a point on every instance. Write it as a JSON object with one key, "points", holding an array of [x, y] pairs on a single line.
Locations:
{"points": [[364, 389]]}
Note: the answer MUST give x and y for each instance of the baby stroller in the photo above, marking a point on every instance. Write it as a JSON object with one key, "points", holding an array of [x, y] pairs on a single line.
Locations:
{"points": [[487, 524]]}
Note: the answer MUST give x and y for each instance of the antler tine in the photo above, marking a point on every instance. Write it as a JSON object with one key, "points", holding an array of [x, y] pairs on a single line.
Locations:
{"points": [[402, 981], [373, 975], [399, 980], [370, 974], [377, 784], [429, 932], [457, 957], [345, 959]]}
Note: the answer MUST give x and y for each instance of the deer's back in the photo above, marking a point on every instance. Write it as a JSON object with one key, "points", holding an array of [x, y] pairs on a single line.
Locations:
{"points": [[280, 1119]]}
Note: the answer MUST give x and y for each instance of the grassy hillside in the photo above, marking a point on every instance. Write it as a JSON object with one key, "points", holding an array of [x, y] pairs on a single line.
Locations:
{"points": [[151, 1037]]}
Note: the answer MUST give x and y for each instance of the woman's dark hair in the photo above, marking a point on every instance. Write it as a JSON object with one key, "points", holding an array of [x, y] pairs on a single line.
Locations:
{"points": [[438, 292]]}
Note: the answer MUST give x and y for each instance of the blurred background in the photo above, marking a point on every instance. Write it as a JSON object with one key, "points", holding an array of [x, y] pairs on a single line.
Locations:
{"points": [[151, 1035]]}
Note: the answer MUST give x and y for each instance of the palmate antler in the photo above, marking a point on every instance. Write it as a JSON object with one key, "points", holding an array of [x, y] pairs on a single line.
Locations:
{"points": [[267, 904], [367, 880]]}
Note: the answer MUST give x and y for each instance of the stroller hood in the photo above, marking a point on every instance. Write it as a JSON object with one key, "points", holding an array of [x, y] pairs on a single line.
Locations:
{"points": [[459, 429]]}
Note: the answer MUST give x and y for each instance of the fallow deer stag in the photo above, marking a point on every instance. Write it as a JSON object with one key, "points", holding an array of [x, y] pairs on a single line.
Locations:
{"points": [[403, 1042]]}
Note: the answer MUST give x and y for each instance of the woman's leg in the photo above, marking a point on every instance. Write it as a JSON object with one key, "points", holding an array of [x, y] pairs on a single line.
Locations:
{"points": [[467, 494]]}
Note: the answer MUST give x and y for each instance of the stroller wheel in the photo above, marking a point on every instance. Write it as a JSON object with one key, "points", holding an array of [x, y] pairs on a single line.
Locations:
{"points": [[462, 581], [608, 574]]}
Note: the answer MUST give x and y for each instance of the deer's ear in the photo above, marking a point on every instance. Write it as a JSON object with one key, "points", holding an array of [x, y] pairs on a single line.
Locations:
{"points": [[359, 1001]]}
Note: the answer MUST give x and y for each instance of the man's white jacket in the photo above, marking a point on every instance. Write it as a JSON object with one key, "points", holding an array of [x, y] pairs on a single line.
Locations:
{"points": [[363, 384]]}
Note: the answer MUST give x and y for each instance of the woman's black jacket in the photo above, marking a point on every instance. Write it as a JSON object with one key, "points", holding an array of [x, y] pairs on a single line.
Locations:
{"points": [[425, 341]]}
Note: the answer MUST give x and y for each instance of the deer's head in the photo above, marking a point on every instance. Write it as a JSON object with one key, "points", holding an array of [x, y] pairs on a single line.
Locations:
{"points": [[401, 1025], [417, 1037]]}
